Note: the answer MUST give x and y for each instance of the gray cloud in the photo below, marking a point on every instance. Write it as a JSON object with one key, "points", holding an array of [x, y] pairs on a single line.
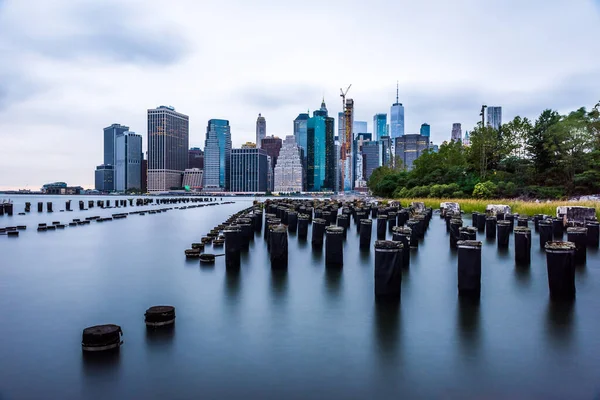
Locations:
{"points": [[107, 30], [271, 97]]}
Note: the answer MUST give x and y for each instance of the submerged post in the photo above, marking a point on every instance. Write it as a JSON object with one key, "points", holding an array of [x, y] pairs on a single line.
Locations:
{"points": [[469, 268], [365, 234], [522, 245], [388, 269], [578, 236], [279, 247], [232, 248], [561, 269], [334, 246]]}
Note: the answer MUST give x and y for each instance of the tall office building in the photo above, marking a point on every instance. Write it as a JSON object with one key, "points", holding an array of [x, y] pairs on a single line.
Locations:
{"points": [[272, 145], [300, 130], [144, 181], [289, 171], [371, 157], [357, 159], [217, 155], [409, 148], [321, 152], [195, 158], [300, 124], [348, 165], [379, 126], [456, 132], [249, 168], [358, 127], [168, 143], [494, 117], [386, 151], [397, 117], [425, 130], [261, 129], [128, 164], [110, 137]]}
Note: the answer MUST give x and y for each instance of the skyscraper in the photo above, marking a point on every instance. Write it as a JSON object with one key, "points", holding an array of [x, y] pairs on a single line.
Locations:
{"points": [[300, 130], [425, 130], [110, 136], [321, 149], [494, 117], [217, 153], [289, 171], [168, 143], [359, 180], [379, 126], [145, 174], [371, 157], [386, 151], [128, 165], [249, 170], [409, 148], [261, 129], [456, 132], [196, 158], [346, 159], [397, 117], [358, 127]]}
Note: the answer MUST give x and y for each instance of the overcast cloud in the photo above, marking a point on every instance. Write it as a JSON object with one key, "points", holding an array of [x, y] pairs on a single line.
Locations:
{"points": [[68, 68]]}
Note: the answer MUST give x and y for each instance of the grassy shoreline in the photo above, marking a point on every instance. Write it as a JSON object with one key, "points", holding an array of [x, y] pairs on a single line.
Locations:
{"points": [[517, 206]]}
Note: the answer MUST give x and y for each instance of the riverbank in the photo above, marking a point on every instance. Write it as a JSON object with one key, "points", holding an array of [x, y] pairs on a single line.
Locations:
{"points": [[517, 206]]}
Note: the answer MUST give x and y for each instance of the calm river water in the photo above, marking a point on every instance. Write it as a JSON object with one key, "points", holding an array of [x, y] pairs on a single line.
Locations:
{"points": [[310, 333]]}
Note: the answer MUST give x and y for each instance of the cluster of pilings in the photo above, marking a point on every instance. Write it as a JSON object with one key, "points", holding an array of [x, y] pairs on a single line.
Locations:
{"points": [[235, 233], [107, 337], [331, 221], [498, 224], [57, 225], [84, 205]]}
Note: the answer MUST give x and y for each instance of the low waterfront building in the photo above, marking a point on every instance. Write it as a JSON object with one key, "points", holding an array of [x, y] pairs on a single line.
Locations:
{"points": [[192, 178], [104, 178]]}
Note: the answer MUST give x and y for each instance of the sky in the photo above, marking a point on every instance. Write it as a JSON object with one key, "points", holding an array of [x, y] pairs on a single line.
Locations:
{"points": [[69, 68]]}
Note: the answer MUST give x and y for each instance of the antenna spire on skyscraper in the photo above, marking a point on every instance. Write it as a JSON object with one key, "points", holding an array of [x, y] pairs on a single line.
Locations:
{"points": [[397, 90]]}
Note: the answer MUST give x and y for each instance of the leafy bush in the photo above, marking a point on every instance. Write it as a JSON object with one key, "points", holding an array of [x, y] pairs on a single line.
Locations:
{"points": [[485, 190]]}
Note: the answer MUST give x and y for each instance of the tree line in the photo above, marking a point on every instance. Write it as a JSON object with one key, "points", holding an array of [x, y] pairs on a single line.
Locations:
{"points": [[552, 157]]}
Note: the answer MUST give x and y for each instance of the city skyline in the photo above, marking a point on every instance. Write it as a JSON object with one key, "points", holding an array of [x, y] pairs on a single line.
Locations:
{"points": [[78, 57]]}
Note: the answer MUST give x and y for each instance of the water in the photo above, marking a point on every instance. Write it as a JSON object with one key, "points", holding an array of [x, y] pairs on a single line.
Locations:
{"points": [[308, 333]]}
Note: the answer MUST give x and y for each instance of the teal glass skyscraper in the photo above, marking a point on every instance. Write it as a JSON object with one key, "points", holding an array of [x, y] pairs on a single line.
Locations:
{"points": [[379, 126], [425, 130], [320, 151], [217, 153]]}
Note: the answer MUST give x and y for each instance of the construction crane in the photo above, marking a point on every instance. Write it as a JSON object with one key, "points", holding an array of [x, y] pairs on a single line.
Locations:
{"points": [[346, 146]]}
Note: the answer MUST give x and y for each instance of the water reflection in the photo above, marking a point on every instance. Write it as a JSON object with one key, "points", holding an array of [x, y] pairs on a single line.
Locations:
{"points": [[160, 337], [468, 321], [317, 254], [560, 321], [503, 252], [333, 282], [99, 365], [365, 256], [232, 286], [279, 283], [386, 327], [523, 274]]}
